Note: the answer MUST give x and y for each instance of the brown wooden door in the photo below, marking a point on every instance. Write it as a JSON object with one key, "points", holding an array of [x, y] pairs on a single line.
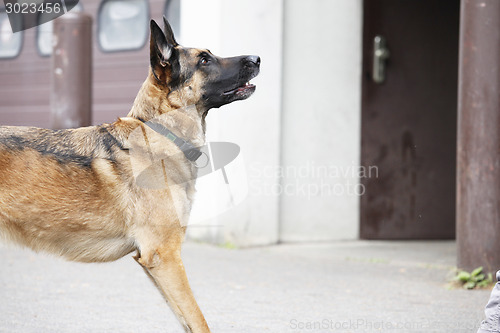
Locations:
{"points": [[409, 120]]}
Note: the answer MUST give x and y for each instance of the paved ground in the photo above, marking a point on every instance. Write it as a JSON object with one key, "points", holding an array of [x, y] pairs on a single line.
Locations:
{"points": [[336, 287]]}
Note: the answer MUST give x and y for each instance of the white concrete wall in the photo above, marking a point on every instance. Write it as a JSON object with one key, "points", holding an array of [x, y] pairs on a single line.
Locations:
{"points": [[230, 28], [321, 119]]}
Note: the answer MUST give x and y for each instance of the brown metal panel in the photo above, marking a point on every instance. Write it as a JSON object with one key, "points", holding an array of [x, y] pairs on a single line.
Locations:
{"points": [[25, 117], [71, 70], [409, 121], [25, 80], [109, 111], [24, 91], [24, 94], [7, 80], [478, 167], [128, 69]]}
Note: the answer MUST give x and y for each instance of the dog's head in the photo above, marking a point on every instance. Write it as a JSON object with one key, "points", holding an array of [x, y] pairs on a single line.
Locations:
{"points": [[196, 76]]}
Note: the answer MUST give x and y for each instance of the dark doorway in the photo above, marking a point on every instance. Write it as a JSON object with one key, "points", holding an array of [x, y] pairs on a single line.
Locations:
{"points": [[409, 120]]}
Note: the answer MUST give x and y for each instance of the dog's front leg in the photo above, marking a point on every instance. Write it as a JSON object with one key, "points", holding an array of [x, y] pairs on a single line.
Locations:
{"points": [[166, 269]]}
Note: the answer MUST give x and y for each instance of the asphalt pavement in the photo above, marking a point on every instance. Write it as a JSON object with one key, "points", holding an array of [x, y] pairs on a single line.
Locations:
{"points": [[353, 286]]}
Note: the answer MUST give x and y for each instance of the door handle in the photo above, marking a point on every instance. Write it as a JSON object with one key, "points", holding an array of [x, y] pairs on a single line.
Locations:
{"points": [[380, 55]]}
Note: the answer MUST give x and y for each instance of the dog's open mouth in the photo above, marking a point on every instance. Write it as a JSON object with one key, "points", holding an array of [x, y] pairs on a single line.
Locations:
{"points": [[245, 89]]}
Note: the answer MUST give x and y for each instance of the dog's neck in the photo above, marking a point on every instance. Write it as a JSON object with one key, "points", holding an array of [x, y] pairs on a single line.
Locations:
{"points": [[151, 101], [153, 104]]}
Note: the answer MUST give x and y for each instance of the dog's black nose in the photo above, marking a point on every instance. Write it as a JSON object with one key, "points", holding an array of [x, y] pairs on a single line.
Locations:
{"points": [[252, 61]]}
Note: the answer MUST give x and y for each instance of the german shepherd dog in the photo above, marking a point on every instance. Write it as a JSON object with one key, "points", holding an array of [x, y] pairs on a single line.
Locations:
{"points": [[75, 192]]}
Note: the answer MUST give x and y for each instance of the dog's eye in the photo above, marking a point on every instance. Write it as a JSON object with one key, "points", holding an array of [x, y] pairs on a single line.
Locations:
{"points": [[204, 60]]}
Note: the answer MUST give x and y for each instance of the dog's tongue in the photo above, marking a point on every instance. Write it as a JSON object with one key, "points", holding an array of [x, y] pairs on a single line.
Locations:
{"points": [[241, 89], [245, 87]]}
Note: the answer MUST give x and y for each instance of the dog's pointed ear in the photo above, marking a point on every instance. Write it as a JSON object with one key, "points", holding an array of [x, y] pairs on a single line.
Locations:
{"points": [[169, 33], [162, 53]]}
